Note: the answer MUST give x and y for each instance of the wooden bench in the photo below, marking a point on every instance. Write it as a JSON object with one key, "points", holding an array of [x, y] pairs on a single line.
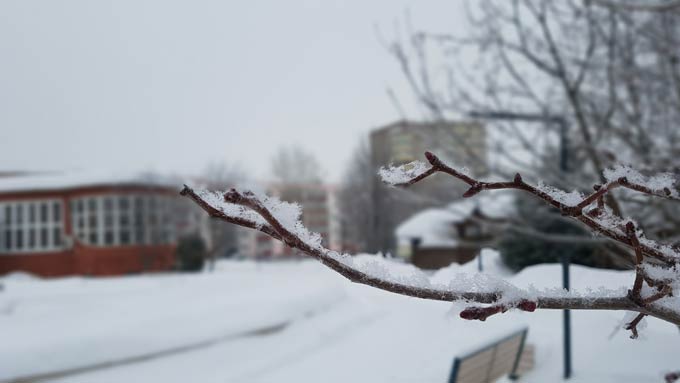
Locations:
{"points": [[507, 355]]}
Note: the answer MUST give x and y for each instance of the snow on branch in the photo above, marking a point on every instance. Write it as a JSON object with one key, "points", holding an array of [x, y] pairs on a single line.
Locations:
{"points": [[399, 175], [653, 291]]}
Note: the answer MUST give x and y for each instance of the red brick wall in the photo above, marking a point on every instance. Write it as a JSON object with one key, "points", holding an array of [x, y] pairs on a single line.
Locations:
{"points": [[90, 260], [43, 264]]}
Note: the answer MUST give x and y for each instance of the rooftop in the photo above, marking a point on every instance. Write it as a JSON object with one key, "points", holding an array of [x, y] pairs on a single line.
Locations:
{"points": [[29, 182], [433, 226]]}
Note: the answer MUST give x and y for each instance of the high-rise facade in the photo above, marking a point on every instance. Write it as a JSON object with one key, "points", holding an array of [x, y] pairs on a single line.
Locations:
{"points": [[461, 143]]}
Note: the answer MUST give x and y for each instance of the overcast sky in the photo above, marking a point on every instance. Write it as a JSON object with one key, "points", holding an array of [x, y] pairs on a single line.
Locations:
{"points": [[172, 86]]}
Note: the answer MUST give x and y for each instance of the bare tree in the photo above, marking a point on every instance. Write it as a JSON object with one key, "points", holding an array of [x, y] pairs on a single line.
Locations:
{"points": [[356, 205], [609, 68], [294, 165], [653, 291]]}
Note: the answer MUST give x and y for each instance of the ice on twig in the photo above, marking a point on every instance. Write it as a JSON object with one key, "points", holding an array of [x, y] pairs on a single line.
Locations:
{"points": [[394, 175], [387, 270], [660, 273], [566, 198], [659, 182], [487, 283], [664, 249], [288, 214], [216, 200]]}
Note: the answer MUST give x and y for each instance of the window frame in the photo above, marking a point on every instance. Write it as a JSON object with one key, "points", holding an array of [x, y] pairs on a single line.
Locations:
{"points": [[22, 226]]}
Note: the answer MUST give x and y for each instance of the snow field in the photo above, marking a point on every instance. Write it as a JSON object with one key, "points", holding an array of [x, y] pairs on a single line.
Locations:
{"points": [[334, 331]]}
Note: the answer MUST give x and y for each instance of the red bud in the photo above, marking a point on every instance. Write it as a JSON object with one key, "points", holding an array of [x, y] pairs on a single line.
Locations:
{"points": [[527, 306]]}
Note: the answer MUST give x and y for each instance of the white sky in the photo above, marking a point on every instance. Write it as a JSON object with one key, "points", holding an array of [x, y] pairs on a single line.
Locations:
{"points": [[171, 86]]}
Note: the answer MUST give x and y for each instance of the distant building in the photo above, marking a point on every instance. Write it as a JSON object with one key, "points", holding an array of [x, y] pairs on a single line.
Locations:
{"points": [[460, 143], [318, 205], [435, 238], [63, 224]]}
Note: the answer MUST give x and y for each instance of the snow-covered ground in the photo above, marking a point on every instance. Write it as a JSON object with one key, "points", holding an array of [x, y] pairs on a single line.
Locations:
{"points": [[299, 322]]}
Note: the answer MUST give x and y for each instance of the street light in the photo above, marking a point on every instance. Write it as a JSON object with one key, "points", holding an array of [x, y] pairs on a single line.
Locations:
{"points": [[564, 258]]}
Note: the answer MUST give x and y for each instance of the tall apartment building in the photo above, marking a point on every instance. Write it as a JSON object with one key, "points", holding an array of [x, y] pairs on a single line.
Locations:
{"points": [[319, 215], [461, 143]]}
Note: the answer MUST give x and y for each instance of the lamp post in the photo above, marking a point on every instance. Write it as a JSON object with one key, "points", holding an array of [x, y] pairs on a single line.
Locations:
{"points": [[564, 258]]}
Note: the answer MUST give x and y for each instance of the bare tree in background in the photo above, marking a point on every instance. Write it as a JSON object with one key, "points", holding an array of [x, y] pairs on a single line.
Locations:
{"points": [[610, 68], [294, 165], [356, 201]]}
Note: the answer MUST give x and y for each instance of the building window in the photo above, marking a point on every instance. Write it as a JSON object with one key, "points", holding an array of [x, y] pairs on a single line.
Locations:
{"points": [[139, 214], [31, 238], [43, 212], [25, 226], [43, 237], [121, 220]]}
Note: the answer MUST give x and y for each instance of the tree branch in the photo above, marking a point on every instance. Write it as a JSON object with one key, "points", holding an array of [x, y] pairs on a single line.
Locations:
{"points": [[594, 218], [298, 237]]}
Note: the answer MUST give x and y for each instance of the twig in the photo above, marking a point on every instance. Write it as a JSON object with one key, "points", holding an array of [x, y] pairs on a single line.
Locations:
{"points": [[481, 313], [632, 326], [672, 376], [639, 278]]}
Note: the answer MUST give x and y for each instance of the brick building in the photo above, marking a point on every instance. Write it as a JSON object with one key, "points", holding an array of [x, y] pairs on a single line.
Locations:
{"points": [[63, 224]]}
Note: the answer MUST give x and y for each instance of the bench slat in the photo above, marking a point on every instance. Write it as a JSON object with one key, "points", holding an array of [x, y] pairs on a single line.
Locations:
{"points": [[494, 361]]}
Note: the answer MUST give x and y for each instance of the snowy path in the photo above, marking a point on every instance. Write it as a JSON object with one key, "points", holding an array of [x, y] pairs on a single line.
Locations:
{"points": [[76, 322], [50, 376]]}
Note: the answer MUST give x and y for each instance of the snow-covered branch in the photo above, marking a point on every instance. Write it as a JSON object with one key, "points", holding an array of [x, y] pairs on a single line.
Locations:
{"points": [[652, 293], [590, 210], [598, 218]]}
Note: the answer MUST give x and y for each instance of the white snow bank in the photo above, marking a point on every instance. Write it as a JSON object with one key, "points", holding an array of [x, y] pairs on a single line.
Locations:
{"points": [[54, 324], [491, 264], [18, 276]]}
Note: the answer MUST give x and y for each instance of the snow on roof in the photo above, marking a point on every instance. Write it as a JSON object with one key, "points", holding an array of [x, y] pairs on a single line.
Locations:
{"points": [[433, 226], [79, 179]]}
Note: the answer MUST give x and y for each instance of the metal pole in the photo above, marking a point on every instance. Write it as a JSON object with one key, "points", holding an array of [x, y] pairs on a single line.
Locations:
{"points": [[564, 168], [567, 319], [565, 257]]}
